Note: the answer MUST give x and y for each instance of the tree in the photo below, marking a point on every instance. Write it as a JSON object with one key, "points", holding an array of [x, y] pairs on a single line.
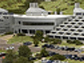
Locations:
{"points": [[58, 10], [43, 52], [36, 42], [25, 51], [22, 59], [10, 57], [39, 35]]}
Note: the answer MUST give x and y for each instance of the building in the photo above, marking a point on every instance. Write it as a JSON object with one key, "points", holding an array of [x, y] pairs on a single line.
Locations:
{"points": [[72, 28], [34, 19], [55, 26]]}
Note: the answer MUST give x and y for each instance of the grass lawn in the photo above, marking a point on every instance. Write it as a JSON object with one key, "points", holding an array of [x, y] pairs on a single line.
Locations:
{"points": [[18, 39], [70, 45], [3, 51], [73, 61]]}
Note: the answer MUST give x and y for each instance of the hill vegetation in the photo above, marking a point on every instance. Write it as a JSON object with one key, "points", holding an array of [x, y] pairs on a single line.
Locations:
{"points": [[20, 6]]}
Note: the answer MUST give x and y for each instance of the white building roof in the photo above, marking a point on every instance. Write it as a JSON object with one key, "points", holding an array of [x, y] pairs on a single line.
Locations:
{"points": [[48, 16], [35, 10], [3, 10], [78, 10]]}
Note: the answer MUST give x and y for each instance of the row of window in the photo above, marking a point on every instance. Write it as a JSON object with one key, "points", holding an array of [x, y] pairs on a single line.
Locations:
{"points": [[39, 23], [65, 37], [31, 31]]}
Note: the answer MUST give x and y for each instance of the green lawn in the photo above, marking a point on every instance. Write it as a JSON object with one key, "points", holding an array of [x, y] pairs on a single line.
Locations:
{"points": [[70, 45], [73, 61], [18, 39]]}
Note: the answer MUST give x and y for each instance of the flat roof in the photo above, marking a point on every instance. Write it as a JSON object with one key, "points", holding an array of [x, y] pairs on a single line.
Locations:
{"points": [[48, 16]]}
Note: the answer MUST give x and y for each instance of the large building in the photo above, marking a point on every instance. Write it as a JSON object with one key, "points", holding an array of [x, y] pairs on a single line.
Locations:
{"points": [[34, 19], [55, 26], [72, 28]]}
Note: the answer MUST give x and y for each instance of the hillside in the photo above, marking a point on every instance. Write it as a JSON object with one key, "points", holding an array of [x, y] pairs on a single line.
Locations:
{"points": [[18, 6], [66, 6]]}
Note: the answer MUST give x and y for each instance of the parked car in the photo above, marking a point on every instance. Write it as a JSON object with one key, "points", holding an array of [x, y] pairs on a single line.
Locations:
{"points": [[2, 54], [27, 43]]}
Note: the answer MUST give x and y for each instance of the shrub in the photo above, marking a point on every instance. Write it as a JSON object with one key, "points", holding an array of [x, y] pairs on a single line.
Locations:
{"points": [[69, 41], [58, 57], [8, 33], [38, 56], [47, 39], [20, 34], [57, 41], [77, 42], [44, 53], [42, 7], [36, 42], [39, 35]]}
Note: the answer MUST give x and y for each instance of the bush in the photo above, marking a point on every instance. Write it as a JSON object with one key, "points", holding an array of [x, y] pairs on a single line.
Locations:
{"points": [[21, 34], [69, 41], [8, 33], [42, 7], [47, 39], [58, 57], [36, 42], [77, 42], [44, 53], [57, 41], [38, 56]]}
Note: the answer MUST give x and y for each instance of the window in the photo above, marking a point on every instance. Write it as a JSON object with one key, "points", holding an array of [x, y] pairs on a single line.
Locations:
{"points": [[65, 29], [61, 32], [69, 26], [32, 31], [47, 31], [78, 13], [37, 23], [76, 34], [80, 17], [76, 27], [82, 34], [80, 23], [73, 23], [73, 17], [19, 22], [24, 31], [50, 36], [82, 27], [5, 17], [80, 38], [68, 33], [80, 30], [72, 29], [53, 32], [64, 37], [58, 37], [74, 38], [76, 20], [57, 29], [61, 25]]}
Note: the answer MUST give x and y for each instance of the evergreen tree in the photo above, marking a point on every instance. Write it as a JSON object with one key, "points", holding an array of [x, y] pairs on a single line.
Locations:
{"points": [[25, 51]]}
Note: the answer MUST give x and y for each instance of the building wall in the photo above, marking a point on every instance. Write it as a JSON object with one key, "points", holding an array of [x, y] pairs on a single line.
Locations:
{"points": [[18, 26]]}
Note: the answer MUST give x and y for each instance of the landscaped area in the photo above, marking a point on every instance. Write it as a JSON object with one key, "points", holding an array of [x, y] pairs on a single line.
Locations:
{"points": [[37, 42], [19, 39]]}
